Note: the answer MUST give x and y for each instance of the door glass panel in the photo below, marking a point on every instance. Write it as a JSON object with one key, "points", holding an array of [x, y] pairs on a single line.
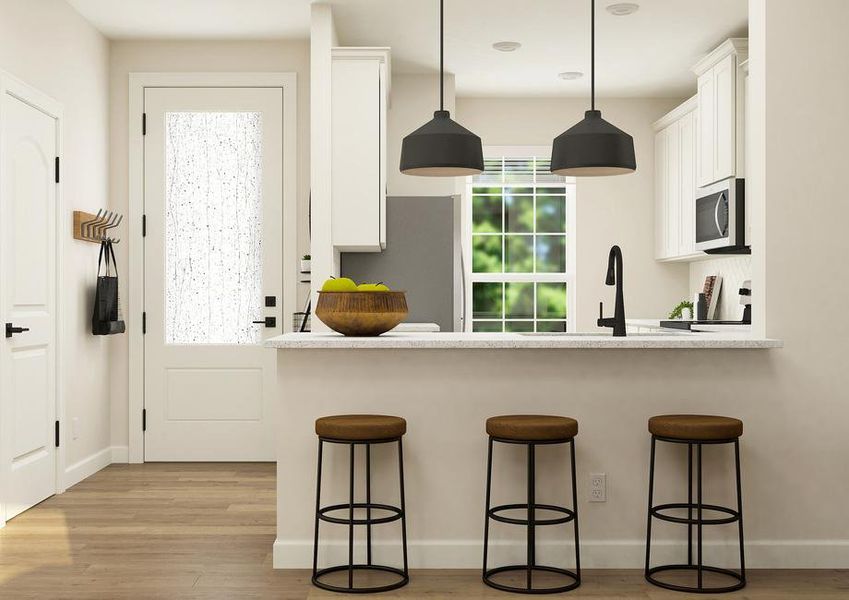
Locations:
{"points": [[213, 227]]}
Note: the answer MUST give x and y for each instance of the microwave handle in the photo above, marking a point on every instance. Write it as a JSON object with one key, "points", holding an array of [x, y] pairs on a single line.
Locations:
{"points": [[716, 214]]}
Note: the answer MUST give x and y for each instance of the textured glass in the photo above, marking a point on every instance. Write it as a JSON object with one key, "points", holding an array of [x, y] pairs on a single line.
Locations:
{"points": [[213, 227]]}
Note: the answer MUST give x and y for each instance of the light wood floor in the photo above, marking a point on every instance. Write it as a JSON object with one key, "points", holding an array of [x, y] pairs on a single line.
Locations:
{"points": [[198, 531]]}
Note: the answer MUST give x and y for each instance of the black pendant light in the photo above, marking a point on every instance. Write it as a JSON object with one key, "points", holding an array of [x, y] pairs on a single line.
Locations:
{"points": [[593, 147], [441, 147]]}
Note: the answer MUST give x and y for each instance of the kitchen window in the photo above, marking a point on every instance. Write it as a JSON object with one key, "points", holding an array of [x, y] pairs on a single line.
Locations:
{"points": [[520, 245]]}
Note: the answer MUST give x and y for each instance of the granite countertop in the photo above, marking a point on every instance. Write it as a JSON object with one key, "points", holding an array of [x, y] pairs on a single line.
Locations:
{"points": [[520, 341]]}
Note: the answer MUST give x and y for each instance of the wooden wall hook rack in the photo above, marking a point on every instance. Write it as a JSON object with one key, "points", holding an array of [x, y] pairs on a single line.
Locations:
{"points": [[94, 228]]}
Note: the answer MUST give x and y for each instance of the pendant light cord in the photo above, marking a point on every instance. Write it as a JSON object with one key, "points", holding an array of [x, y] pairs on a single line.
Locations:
{"points": [[441, 53], [592, 54]]}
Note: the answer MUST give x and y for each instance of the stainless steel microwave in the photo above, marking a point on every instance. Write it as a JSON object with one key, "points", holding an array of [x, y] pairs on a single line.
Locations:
{"points": [[720, 218]]}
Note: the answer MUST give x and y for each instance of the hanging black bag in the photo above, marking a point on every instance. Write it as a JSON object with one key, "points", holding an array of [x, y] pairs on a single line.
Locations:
{"points": [[106, 318]]}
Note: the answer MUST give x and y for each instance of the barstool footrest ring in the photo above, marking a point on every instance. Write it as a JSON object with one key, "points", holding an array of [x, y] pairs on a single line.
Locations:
{"points": [[404, 579], [324, 516], [733, 517], [487, 579], [569, 514], [741, 581]]}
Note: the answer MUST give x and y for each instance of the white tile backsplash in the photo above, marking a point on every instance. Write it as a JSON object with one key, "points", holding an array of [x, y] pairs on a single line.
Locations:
{"points": [[734, 270]]}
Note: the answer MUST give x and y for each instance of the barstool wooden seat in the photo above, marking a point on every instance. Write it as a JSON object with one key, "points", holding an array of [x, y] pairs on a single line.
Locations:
{"points": [[695, 430], [364, 430], [531, 431], [354, 428]]}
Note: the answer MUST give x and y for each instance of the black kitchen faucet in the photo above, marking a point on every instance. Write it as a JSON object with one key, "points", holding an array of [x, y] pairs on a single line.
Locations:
{"points": [[614, 277]]}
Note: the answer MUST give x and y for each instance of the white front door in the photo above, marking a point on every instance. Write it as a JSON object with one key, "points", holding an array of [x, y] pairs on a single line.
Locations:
{"points": [[27, 304], [213, 266]]}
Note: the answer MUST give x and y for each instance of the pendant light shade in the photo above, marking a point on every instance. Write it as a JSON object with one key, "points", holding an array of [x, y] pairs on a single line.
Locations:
{"points": [[593, 147], [441, 147]]}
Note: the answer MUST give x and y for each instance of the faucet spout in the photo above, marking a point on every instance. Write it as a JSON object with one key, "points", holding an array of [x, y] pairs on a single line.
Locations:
{"points": [[614, 277]]}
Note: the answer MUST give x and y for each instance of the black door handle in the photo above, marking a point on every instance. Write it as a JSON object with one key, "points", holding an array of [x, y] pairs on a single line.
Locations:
{"points": [[12, 330], [268, 322]]}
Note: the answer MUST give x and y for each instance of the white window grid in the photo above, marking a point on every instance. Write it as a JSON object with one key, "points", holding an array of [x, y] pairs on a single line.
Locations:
{"points": [[505, 161]]}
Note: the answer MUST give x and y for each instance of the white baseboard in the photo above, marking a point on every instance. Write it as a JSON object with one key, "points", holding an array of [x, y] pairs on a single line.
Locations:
{"points": [[120, 454], [617, 554], [87, 467]]}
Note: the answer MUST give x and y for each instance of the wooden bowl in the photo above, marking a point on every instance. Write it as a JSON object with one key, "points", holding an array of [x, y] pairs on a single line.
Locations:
{"points": [[361, 313]]}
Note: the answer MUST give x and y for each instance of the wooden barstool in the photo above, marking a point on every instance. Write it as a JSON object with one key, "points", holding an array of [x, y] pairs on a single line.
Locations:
{"points": [[531, 431], [695, 430], [362, 430]]}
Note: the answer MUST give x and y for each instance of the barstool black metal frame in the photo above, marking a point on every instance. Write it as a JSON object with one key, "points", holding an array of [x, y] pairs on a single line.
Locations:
{"points": [[323, 514], [699, 521], [569, 515]]}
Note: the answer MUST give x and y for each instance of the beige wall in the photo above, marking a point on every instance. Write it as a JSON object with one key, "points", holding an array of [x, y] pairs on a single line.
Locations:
{"points": [[48, 45], [128, 57], [610, 210]]}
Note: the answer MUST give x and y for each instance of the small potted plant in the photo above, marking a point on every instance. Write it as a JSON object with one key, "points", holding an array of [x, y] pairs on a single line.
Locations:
{"points": [[684, 311], [305, 263]]}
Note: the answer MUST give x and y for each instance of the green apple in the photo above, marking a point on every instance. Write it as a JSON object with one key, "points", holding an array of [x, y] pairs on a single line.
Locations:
{"points": [[372, 287], [339, 284]]}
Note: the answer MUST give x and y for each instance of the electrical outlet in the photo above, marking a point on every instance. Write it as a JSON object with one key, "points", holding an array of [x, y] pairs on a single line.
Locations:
{"points": [[75, 428], [598, 487]]}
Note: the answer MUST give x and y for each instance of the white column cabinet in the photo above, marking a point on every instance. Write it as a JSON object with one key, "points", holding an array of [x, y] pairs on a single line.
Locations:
{"points": [[675, 183], [359, 103], [720, 103]]}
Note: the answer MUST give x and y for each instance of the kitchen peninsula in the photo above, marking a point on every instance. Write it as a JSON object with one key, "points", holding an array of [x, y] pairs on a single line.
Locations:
{"points": [[446, 384]]}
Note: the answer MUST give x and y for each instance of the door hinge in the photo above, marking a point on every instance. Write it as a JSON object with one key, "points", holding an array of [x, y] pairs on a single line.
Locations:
{"points": [[57, 169], [144, 225], [57, 434], [144, 323], [144, 123], [144, 419]]}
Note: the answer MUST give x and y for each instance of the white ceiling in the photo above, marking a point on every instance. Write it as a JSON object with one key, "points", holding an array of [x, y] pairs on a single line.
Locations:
{"points": [[197, 19], [648, 53]]}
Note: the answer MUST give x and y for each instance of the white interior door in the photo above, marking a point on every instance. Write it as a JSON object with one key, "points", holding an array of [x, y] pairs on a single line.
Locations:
{"points": [[27, 302], [213, 261]]}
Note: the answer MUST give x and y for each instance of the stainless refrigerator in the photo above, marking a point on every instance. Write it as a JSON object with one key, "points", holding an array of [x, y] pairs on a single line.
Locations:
{"points": [[423, 256]]}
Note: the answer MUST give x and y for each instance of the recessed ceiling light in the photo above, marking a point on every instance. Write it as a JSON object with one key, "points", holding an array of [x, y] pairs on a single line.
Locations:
{"points": [[623, 9], [570, 75], [506, 46]]}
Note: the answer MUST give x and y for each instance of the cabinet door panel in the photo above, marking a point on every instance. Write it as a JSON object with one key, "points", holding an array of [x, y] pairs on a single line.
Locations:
{"points": [[356, 176], [660, 193], [706, 129], [725, 111], [687, 196], [673, 190]]}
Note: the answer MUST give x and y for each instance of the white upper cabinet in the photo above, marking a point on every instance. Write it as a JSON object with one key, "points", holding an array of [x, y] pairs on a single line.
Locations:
{"points": [[359, 104], [675, 182], [720, 104]]}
